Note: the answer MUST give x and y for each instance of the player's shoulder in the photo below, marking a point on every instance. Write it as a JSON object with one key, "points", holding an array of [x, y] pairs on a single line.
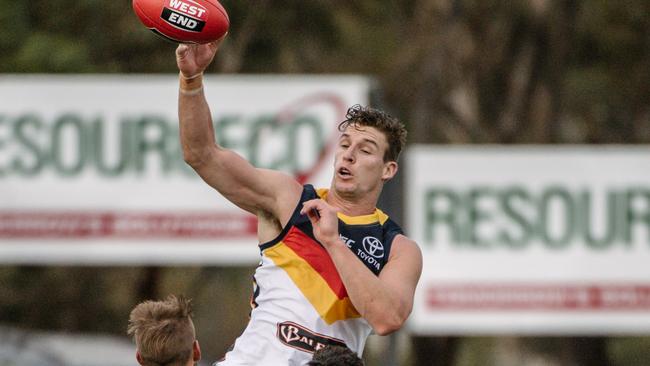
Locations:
{"points": [[405, 240], [283, 191], [391, 226], [404, 246], [283, 183]]}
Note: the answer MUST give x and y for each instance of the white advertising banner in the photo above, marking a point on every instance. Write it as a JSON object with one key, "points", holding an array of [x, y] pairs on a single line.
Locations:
{"points": [[531, 240], [91, 169]]}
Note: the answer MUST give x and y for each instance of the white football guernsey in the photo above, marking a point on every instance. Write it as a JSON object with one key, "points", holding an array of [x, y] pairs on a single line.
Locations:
{"points": [[299, 301]]}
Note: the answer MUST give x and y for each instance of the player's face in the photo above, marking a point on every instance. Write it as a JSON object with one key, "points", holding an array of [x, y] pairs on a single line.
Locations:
{"points": [[359, 165]]}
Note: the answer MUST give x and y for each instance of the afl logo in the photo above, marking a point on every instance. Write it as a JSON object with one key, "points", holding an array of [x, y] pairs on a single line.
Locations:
{"points": [[373, 246]]}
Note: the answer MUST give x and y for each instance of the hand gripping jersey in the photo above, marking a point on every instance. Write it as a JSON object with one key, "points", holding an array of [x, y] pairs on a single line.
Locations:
{"points": [[299, 302]]}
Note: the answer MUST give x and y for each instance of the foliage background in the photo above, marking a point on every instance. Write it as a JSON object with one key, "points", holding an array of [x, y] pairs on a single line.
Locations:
{"points": [[456, 71]]}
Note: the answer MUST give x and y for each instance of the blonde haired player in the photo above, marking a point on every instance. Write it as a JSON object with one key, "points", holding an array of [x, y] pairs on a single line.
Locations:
{"points": [[164, 333], [333, 267]]}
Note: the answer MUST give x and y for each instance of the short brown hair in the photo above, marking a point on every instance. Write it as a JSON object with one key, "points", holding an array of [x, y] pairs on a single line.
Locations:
{"points": [[392, 128], [163, 331], [335, 356]]}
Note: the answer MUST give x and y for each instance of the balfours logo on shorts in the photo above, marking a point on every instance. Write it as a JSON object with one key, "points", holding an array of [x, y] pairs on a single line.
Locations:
{"points": [[185, 15], [299, 337]]}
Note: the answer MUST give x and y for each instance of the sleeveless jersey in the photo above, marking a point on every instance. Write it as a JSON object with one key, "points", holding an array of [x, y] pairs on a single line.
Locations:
{"points": [[299, 301]]}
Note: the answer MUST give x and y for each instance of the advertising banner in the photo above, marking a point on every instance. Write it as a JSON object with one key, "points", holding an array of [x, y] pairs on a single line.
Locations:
{"points": [[531, 240], [91, 169]]}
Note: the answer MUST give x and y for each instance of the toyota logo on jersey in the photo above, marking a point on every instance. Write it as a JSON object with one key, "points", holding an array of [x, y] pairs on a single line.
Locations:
{"points": [[373, 246]]}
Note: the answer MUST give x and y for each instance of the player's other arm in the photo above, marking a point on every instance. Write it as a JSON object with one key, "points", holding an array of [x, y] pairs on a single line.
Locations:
{"points": [[250, 188], [399, 278], [385, 301]]}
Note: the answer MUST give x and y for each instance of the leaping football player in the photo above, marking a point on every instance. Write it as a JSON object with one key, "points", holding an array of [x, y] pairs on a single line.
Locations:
{"points": [[334, 268]]}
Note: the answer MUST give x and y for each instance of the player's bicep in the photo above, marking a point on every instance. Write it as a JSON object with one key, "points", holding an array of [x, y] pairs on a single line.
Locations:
{"points": [[250, 188], [402, 272]]}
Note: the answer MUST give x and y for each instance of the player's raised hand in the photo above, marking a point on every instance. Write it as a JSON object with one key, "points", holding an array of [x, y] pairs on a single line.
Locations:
{"points": [[323, 219], [192, 59]]}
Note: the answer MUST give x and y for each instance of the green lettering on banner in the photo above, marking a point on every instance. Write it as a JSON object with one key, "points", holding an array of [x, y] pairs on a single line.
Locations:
{"points": [[586, 222], [287, 133], [556, 217], [316, 143], [513, 200], [176, 154], [262, 123], [156, 144], [26, 127], [73, 143], [98, 150], [223, 128], [73, 124], [566, 204], [2, 144], [476, 215], [435, 215], [635, 197]]}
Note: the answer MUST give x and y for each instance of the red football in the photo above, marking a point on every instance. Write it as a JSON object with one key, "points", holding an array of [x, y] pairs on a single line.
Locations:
{"points": [[184, 21]]}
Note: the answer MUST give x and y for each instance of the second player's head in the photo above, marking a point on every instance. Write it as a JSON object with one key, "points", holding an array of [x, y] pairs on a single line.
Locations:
{"points": [[164, 333], [335, 356]]}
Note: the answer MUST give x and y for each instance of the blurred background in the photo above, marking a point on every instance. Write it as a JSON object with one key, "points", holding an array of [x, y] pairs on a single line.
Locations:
{"points": [[459, 73]]}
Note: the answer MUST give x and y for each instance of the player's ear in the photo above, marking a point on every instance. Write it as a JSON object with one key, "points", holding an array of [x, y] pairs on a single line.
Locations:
{"points": [[196, 351], [390, 169], [138, 357]]}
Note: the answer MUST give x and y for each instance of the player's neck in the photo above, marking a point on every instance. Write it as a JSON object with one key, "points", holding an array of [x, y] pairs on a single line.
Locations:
{"points": [[353, 205]]}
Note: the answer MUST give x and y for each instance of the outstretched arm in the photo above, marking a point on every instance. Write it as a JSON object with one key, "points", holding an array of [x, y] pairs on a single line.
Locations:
{"points": [[254, 190], [385, 301]]}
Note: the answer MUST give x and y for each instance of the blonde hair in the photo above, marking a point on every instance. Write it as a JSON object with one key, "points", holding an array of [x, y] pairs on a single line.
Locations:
{"points": [[163, 331]]}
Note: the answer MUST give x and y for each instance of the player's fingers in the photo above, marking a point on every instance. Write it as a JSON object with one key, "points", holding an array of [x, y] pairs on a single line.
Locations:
{"points": [[181, 49], [309, 206], [313, 216], [320, 206], [311, 211], [315, 208]]}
